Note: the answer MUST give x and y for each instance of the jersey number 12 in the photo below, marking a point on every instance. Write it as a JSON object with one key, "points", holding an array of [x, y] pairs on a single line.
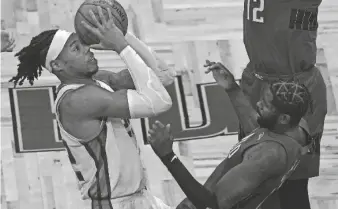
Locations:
{"points": [[256, 11]]}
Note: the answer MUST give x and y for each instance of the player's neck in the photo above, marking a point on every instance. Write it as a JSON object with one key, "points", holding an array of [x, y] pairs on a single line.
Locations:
{"points": [[282, 129], [292, 132], [78, 81]]}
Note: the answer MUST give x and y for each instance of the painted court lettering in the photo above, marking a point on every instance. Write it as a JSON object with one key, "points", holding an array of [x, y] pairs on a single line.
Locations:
{"points": [[35, 128]]}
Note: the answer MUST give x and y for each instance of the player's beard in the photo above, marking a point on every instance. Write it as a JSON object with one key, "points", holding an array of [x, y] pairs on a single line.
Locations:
{"points": [[92, 71], [90, 74], [268, 122]]}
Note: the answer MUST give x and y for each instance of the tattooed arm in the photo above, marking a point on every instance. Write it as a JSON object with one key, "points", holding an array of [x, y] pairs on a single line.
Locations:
{"points": [[209, 185], [199, 196], [245, 112], [211, 182], [260, 162]]}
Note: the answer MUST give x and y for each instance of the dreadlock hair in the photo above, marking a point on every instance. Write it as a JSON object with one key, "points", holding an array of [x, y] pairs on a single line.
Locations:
{"points": [[33, 57], [292, 98]]}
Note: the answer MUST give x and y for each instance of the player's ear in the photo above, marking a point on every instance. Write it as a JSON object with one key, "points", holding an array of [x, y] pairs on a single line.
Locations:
{"points": [[57, 65], [284, 119]]}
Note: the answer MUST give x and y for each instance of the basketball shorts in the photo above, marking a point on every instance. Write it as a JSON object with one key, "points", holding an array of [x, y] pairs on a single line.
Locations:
{"points": [[251, 84], [140, 200]]}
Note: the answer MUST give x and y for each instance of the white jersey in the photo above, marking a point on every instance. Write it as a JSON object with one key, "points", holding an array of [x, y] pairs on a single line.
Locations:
{"points": [[108, 166]]}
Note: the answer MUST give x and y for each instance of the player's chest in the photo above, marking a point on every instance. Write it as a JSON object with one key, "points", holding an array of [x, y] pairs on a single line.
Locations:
{"points": [[236, 152]]}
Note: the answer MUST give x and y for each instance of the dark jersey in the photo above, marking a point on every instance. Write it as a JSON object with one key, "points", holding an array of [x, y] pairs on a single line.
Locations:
{"points": [[280, 35], [268, 187]]}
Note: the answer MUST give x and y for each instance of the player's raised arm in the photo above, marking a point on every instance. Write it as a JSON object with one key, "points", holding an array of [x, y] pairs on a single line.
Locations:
{"points": [[161, 69], [246, 114], [150, 97], [210, 183], [123, 79], [161, 141]]}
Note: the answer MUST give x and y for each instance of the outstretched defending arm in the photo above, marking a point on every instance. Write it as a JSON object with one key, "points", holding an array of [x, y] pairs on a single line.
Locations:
{"points": [[246, 114], [210, 184], [161, 140], [200, 196], [234, 185]]}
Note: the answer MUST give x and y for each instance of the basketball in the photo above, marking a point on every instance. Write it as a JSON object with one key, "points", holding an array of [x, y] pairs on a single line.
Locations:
{"points": [[82, 14]]}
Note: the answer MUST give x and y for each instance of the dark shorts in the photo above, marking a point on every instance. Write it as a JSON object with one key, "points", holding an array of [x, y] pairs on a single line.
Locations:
{"points": [[251, 85]]}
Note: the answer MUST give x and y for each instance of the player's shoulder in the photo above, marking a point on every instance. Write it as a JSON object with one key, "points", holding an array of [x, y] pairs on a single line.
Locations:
{"points": [[268, 156], [267, 151], [273, 147], [74, 99], [293, 140]]}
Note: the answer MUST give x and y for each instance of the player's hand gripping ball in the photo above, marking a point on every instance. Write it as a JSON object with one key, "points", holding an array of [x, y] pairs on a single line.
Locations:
{"points": [[83, 14]]}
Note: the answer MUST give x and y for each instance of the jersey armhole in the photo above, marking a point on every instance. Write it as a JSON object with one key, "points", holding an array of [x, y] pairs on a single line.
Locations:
{"points": [[82, 141]]}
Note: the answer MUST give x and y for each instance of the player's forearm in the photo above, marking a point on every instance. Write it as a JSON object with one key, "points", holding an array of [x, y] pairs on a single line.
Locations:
{"points": [[123, 79], [196, 193], [246, 114], [161, 69], [142, 49], [150, 97]]}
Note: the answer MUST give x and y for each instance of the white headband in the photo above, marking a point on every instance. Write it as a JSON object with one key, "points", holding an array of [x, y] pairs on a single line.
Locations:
{"points": [[59, 41]]}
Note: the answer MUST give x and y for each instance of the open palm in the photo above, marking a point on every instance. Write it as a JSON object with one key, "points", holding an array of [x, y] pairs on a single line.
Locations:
{"points": [[161, 139], [221, 74]]}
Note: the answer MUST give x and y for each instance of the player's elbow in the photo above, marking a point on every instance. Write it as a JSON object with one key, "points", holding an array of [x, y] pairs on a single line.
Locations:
{"points": [[163, 106], [153, 110], [167, 106]]}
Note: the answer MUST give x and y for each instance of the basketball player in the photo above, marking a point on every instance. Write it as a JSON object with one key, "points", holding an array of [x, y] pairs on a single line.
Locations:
{"points": [[258, 165], [93, 115], [280, 40]]}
